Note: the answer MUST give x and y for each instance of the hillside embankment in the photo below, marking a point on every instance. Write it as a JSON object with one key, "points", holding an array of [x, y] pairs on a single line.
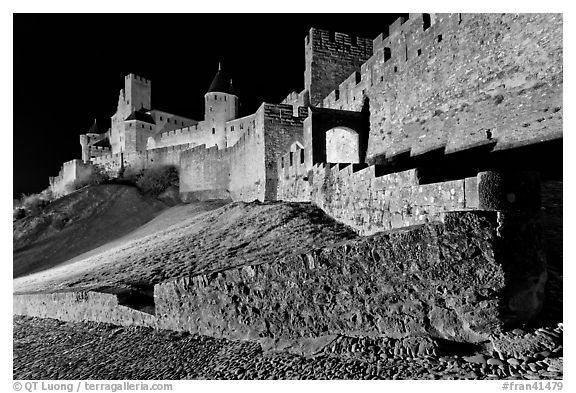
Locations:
{"points": [[77, 223], [186, 240]]}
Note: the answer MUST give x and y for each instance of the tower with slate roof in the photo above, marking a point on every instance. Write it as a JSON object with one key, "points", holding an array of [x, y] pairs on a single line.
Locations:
{"points": [[220, 106]]}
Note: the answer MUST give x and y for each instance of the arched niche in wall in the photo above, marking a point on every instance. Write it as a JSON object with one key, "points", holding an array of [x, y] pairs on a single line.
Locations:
{"points": [[342, 145]]}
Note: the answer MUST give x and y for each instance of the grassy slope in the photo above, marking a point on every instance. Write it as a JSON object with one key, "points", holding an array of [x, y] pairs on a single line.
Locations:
{"points": [[186, 240], [95, 216]]}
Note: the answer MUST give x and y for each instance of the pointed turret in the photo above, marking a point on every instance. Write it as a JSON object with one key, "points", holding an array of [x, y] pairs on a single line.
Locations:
{"points": [[221, 106], [219, 83], [94, 128]]}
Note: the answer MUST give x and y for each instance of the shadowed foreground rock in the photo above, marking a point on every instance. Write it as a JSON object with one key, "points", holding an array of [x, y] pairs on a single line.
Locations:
{"points": [[463, 280]]}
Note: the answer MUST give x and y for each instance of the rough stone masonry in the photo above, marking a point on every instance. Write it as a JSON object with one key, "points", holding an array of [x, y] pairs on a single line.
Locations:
{"points": [[460, 258]]}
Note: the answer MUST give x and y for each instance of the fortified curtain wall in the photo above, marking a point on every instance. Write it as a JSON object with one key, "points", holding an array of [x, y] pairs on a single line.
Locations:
{"points": [[194, 135], [359, 196], [141, 160], [74, 170], [247, 170], [459, 80]]}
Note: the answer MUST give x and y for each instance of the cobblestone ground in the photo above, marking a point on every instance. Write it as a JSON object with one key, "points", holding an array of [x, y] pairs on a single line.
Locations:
{"points": [[51, 349]]}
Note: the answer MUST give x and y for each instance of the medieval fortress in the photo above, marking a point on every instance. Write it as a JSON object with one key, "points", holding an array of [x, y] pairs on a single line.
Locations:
{"points": [[439, 138], [357, 138]]}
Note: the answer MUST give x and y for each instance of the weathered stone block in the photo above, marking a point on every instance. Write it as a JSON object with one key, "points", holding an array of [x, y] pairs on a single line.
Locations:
{"points": [[457, 280]]}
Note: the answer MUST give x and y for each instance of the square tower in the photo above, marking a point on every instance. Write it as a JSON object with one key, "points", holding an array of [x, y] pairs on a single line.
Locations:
{"points": [[332, 57], [137, 92]]}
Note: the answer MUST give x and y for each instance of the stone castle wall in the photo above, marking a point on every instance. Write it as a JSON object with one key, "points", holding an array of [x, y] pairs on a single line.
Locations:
{"points": [[283, 127], [370, 201], [247, 181], [245, 171], [236, 128], [138, 161], [330, 58], [204, 173], [72, 171], [460, 80]]}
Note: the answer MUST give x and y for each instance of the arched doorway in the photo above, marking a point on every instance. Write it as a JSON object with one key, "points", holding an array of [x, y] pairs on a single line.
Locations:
{"points": [[342, 145]]}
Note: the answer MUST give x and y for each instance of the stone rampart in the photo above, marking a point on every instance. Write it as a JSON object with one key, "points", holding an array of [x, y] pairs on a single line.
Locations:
{"points": [[245, 171], [204, 173], [237, 127], [459, 80], [145, 159], [187, 135], [330, 57], [369, 201], [71, 172]]}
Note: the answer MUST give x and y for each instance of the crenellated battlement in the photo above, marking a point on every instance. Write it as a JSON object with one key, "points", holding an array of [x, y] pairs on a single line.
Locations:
{"points": [[137, 78], [426, 84], [330, 58], [180, 131], [284, 113], [391, 53], [340, 42]]}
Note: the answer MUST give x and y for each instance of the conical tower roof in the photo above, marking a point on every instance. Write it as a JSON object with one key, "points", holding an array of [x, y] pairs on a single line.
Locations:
{"points": [[220, 83], [94, 128]]}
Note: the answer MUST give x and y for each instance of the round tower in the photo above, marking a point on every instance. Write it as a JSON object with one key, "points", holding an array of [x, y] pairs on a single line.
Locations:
{"points": [[220, 106]]}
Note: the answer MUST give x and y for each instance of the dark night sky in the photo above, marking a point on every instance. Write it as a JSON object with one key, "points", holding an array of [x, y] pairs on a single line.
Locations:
{"points": [[69, 69]]}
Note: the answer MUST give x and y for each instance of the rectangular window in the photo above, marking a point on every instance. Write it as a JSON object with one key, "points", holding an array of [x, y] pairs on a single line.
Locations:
{"points": [[232, 128], [213, 130], [291, 158], [337, 94], [282, 162], [387, 54], [427, 21], [241, 126], [419, 52], [301, 156], [439, 38]]}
